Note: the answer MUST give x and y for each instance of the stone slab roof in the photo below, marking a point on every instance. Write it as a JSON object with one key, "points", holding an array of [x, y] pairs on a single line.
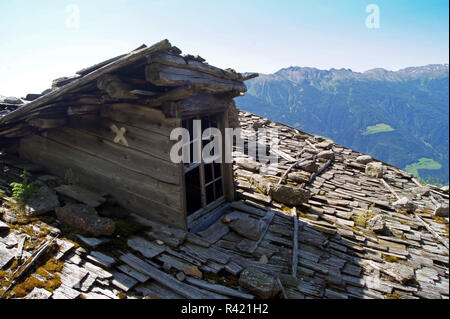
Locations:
{"points": [[339, 250]]}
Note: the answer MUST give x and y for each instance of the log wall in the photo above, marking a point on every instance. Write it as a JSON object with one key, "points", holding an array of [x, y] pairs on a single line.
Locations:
{"points": [[136, 170]]}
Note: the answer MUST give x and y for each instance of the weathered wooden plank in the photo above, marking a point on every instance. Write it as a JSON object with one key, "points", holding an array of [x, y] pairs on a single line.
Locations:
{"points": [[248, 209], [64, 292], [155, 290], [227, 168], [176, 94], [97, 271], [213, 233], [148, 142], [432, 231], [64, 247], [101, 259], [83, 109], [250, 246], [173, 262], [202, 104], [168, 239], [81, 194], [163, 75], [163, 278], [185, 257], [140, 116], [97, 66], [133, 273], [190, 64], [87, 283], [115, 87], [206, 253], [38, 293], [210, 214], [233, 268], [72, 275], [91, 241], [164, 171], [123, 281], [3, 226], [44, 124], [218, 288], [5, 256], [295, 245], [145, 247]]}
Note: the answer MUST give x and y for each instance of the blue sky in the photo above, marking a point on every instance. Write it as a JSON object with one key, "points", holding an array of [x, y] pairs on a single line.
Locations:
{"points": [[37, 44]]}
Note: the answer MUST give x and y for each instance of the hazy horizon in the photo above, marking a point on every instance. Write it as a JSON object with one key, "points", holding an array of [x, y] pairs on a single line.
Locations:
{"points": [[355, 71]]}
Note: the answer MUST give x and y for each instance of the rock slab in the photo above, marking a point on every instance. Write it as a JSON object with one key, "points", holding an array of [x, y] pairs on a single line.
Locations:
{"points": [[291, 196], [374, 169], [377, 224], [85, 219], [405, 203], [441, 210], [247, 227], [364, 159], [259, 284], [44, 201]]}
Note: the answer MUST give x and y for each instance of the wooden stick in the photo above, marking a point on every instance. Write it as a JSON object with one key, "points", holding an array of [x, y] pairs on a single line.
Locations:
{"points": [[282, 288], [291, 167], [440, 194], [320, 171], [295, 245], [416, 182], [428, 227], [435, 202], [431, 190], [389, 188], [310, 144], [268, 219], [287, 157], [38, 253], [250, 76], [101, 64], [431, 230]]}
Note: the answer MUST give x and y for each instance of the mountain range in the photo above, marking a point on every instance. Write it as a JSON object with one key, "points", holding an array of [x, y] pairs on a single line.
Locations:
{"points": [[399, 117]]}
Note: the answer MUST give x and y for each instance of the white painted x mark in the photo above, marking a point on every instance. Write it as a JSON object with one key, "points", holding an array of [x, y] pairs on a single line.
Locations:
{"points": [[120, 134]]}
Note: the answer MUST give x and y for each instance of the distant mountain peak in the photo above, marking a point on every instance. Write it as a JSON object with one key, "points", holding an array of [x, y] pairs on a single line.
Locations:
{"points": [[299, 74]]}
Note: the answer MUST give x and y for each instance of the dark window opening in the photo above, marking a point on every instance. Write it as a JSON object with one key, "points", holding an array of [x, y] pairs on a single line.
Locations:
{"points": [[193, 191], [203, 180]]}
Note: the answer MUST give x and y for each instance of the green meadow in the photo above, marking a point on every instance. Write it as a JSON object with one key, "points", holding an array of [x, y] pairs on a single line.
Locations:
{"points": [[423, 163], [379, 128]]}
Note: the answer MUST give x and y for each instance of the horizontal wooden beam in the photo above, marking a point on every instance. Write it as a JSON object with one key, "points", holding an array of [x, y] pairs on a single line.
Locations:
{"points": [[140, 116], [191, 64], [163, 75], [115, 87], [200, 104], [179, 93], [44, 124]]}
